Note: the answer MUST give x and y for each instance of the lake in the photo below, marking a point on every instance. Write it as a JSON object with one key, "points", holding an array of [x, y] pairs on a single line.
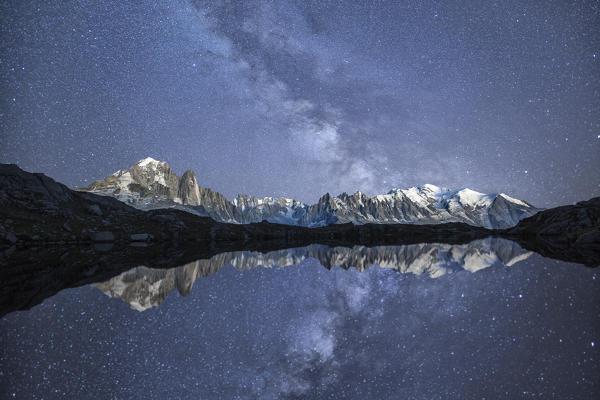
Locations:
{"points": [[483, 320]]}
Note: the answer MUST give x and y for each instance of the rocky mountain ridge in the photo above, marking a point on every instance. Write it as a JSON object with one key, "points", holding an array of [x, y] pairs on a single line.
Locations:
{"points": [[151, 184], [36, 210]]}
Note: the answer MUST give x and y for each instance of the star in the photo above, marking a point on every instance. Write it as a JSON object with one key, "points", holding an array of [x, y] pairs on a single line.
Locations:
{"points": [[425, 110]]}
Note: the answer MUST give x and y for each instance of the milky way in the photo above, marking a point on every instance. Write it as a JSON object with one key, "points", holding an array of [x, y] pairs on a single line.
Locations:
{"points": [[301, 98]]}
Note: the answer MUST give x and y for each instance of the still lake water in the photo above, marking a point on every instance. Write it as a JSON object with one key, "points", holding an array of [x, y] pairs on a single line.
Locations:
{"points": [[484, 320]]}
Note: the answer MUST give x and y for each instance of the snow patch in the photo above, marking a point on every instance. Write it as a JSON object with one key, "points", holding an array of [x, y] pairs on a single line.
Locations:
{"points": [[415, 195], [125, 179], [473, 198], [146, 161], [431, 188], [513, 200], [160, 179]]}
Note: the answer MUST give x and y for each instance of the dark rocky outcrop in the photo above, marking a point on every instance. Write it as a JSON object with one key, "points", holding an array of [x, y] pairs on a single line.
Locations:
{"points": [[570, 233]]}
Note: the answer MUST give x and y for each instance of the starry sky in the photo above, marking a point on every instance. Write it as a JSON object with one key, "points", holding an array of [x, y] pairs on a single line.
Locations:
{"points": [[525, 331], [301, 98]]}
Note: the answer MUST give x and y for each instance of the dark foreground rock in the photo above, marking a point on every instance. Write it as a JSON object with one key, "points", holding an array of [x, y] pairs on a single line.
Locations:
{"points": [[569, 233]]}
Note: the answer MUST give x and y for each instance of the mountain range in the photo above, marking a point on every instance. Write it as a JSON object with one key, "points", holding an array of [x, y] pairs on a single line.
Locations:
{"points": [[151, 184]]}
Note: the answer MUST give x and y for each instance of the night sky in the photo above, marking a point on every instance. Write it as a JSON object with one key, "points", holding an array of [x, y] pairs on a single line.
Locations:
{"points": [[301, 98]]}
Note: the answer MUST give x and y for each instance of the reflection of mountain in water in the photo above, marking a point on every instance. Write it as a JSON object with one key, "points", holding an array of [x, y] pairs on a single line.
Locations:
{"points": [[143, 287]]}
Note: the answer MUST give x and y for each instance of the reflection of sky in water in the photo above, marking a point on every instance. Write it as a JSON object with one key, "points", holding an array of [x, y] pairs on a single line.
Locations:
{"points": [[143, 287], [525, 331]]}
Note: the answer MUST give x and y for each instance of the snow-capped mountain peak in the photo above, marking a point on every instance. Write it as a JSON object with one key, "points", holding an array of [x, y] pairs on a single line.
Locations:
{"points": [[513, 200], [428, 187], [153, 184], [472, 198], [148, 161]]}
